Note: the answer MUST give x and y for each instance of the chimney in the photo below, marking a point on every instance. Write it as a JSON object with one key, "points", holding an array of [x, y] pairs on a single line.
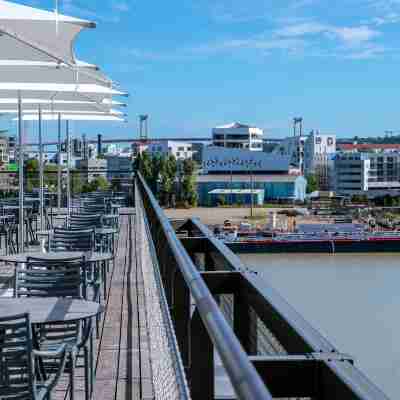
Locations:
{"points": [[99, 145]]}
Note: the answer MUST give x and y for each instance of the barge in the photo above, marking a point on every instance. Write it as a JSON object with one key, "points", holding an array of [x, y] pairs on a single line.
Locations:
{"points": [[375, 242]]}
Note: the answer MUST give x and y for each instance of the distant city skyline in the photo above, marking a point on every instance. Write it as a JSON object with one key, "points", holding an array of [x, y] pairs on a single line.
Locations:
{"points": [[195, 65]]}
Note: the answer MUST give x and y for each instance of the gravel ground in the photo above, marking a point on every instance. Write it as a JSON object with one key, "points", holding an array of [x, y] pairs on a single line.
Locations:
{"points": [[217, 215]]}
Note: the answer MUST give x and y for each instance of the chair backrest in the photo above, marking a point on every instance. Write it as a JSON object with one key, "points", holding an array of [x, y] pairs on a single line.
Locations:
{"points": [[85, 221], [44, 278], [72, 240], [16, 365]]}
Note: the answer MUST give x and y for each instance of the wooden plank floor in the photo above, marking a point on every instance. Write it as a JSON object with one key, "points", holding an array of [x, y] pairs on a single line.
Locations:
{"points": [[122, 359]]}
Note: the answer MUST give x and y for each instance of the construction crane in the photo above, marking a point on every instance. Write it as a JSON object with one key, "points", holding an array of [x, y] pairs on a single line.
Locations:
{"points": [[297, 122], [143, 128]]}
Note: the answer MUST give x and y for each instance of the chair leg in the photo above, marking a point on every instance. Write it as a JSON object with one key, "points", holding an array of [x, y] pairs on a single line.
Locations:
{"points": [[72, 378], [87, 373]]}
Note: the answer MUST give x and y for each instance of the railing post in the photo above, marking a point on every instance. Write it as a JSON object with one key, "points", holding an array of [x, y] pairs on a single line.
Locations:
{"points": [[245, 324], [201, 361], [181, 314]]}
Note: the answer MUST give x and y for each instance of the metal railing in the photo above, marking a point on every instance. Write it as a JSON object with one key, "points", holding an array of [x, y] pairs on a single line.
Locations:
{"points": [[266, 348]]}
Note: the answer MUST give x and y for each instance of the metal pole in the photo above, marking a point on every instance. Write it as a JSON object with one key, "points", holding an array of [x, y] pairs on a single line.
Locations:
{"points": [[41, 177], [59, 171], [21, 225], [251, 188], [68, 176]]}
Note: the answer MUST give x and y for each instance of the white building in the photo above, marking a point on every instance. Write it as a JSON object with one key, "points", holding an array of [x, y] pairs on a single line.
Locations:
{"points": [[238, 136], [319, 151], [217, 160], [293, 147], [180, 150]]}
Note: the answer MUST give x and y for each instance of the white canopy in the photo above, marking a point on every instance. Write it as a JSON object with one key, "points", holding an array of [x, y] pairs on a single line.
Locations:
{"points": [[49, 35], [62, 111], [11, 102], [74, 117], [51, 72], [54, 91]]}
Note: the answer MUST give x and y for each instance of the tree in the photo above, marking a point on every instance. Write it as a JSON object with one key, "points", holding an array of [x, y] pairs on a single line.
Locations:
{"points": [[156, 166], [98, 183], [168, 169], [145, 166], [312, 184], [189, 190]]}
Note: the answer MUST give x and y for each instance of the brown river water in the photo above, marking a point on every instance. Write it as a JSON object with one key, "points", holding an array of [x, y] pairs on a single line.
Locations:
{"points": [[352, 299]]}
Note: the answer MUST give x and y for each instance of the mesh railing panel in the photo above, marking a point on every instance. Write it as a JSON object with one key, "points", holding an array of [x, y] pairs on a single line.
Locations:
{"points": [[167, 369]]}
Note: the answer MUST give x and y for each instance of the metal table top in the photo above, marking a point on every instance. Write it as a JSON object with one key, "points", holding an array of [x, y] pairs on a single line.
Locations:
{"points": [[92, 257], [45, 310], [99, 231]]}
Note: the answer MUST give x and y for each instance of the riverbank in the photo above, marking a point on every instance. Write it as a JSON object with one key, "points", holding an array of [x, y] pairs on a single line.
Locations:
{"points": [[217, 215]]}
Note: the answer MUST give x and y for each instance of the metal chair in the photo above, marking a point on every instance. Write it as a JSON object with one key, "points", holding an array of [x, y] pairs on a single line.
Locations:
{"points": [[72, 240], [18, 361], [66, 278]]}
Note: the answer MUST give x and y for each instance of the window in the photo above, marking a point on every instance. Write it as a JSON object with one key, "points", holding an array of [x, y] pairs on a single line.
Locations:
{"points": [[181, 148]]}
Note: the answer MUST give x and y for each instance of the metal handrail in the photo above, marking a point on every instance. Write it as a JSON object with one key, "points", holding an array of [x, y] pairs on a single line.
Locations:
{"points": [[243, 375], [296, 335]]}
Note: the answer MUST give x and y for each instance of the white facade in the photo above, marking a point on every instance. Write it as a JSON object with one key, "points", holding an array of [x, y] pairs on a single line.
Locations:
{"points": [[293, 147], [319, 151], [224, 160], [238, 136], [180, 150]]}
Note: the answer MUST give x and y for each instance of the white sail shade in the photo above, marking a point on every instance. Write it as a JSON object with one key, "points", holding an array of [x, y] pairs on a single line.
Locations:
{"points": [[50, 36]]}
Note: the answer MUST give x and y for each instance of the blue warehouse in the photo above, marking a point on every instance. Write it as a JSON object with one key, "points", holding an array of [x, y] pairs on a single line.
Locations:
{"points": [[273, 187]]}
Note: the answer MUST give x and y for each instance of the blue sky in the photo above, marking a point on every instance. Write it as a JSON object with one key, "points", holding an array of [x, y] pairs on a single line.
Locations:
{"points": [[192, 65]]}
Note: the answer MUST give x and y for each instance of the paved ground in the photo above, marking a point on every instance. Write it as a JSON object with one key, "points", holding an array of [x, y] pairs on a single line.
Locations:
{"points": [[122, 360], [217, 215]]}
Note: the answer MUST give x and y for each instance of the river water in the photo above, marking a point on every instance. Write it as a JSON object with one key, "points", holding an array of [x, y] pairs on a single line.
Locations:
{"points": [[352, 299]]}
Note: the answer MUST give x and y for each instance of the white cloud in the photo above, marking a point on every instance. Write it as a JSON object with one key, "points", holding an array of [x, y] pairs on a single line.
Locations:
{"points": [[120, 6]]}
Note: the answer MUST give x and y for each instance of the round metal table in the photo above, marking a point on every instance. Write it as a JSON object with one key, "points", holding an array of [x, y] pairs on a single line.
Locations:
{"points": [[92, 257], [47, 310]]}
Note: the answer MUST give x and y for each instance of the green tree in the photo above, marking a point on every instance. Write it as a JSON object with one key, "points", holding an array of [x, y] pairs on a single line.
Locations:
{"points": [[189, 190], [167, 179], [99, 183], [145, 166], [312, 183], [156, 166]]}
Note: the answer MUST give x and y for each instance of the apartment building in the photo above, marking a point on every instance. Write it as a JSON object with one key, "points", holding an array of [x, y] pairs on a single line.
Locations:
{"points": [[238, 136]]}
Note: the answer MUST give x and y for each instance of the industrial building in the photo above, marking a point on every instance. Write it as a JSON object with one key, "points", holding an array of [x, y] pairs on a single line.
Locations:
{"points": [[273, 187], [238, 136], [217, 160], [180, 150]]}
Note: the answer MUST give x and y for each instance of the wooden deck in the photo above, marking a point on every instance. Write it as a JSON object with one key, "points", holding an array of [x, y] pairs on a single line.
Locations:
{"points": [[122, 360]]}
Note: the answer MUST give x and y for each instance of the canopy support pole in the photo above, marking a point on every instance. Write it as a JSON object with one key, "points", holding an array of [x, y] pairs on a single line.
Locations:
{"points": [[41, 177], [68, 172], [21, 225], [59, 170]]}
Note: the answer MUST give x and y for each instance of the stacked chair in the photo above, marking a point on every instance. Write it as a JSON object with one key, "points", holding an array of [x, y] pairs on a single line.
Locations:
{"points": [[66, 279], [19, 361]]}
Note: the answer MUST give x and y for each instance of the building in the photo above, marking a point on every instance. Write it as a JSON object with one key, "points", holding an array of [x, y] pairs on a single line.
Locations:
{"points": [[119, 167], [217, 160], [238, 136], [319, 152], [180, 150], [352, 172], [292, 147], [274, 187], [373, 174], [92, 168], [368, 147]]}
